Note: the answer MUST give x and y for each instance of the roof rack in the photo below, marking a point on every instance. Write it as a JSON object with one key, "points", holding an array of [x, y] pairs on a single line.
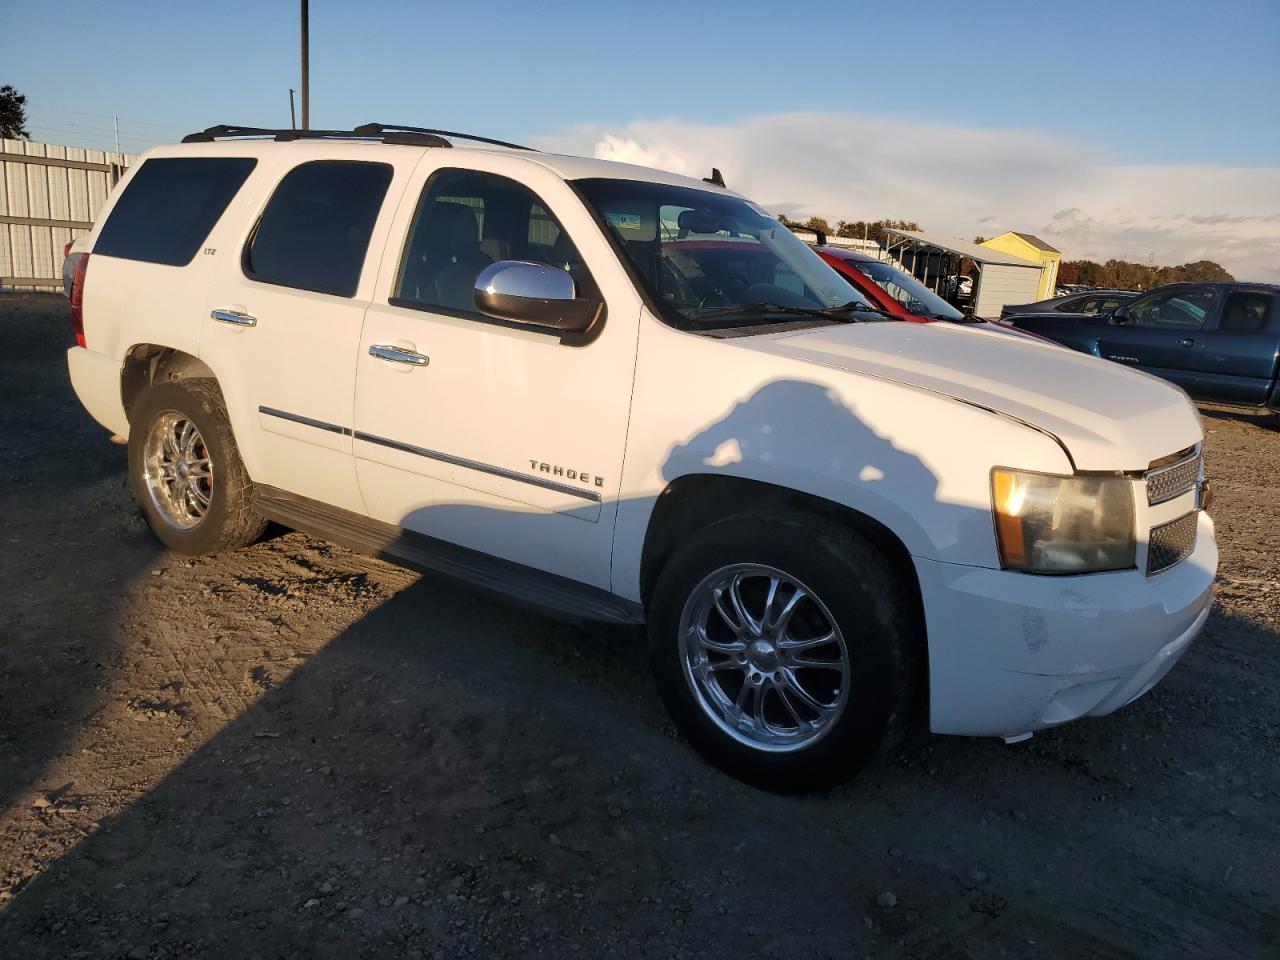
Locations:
{"points": [[386, 130], [382, 132], [231, 131]]}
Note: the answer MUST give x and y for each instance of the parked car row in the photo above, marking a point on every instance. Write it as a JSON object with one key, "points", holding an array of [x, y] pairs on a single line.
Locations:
{"points": [[1091, 302], [623, 395]]}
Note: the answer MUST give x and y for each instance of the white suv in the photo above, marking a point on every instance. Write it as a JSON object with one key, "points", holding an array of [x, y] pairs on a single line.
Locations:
{"points": [[617, 394]]}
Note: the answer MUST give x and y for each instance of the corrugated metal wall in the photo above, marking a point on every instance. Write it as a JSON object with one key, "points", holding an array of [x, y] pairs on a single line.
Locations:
{"points": [[49, 195]]}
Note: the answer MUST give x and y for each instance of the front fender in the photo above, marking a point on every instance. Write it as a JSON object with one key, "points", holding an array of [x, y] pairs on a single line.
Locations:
{"points": [[916, 462]]}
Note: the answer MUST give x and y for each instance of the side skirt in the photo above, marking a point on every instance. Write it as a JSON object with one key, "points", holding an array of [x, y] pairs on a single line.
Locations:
{"points": [[547, 593]]}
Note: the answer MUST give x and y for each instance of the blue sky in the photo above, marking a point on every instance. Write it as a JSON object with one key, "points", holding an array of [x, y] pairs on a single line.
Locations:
{"points": [[1174, 85], [1162, 82]]}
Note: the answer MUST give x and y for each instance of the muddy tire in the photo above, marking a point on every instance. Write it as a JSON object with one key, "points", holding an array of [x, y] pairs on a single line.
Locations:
{"points": [[185, 471]]}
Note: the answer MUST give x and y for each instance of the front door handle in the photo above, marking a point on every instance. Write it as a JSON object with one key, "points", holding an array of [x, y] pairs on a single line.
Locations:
{"points": [[1186, 342], [239, 318], [385, 351]]}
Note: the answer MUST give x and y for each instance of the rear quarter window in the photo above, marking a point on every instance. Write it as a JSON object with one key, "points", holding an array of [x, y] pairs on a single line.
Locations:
{"points": [[169, 207]]}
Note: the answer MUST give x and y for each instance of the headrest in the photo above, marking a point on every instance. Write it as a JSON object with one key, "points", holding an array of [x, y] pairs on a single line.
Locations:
{"points": [[702, 221], [452, 226]]}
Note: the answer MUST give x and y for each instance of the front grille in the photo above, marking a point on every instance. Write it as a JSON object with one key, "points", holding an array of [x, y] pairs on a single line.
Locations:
{"points": [[1171, 542], [1174, 480]]}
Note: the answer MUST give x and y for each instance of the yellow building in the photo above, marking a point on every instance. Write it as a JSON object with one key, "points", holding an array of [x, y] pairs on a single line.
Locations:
{"points": [[1027, 247]]}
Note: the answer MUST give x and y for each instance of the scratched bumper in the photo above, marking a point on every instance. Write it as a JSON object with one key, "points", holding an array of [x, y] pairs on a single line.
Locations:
{"points": [[1009, 653]]}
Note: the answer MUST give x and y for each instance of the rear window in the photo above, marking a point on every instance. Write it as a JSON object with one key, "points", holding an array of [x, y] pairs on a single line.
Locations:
{"points": [[315, 230], [1246, 311], [169, 207]]}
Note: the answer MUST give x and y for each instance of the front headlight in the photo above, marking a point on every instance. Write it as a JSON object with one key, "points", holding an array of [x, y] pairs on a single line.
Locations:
{"points": [[1050, 524]]}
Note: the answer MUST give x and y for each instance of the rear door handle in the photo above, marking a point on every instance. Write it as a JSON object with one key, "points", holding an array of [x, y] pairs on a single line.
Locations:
{"points": [[237, 317], [1186, 342], [384, 351]]}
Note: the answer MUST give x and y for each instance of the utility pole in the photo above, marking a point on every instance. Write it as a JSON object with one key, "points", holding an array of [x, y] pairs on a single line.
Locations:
{"points": [[115, 121], [293, 117], [306, 67]]}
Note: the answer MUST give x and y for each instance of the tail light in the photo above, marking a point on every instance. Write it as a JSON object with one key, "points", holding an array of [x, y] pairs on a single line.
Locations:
{"points": [[77, 299]]}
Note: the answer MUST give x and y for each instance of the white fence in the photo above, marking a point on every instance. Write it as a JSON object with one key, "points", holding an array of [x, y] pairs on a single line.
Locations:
{"points": [[49, 195]]}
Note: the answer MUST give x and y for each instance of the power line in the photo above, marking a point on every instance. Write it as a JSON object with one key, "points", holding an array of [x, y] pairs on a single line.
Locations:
{"points": [[108, 116]]}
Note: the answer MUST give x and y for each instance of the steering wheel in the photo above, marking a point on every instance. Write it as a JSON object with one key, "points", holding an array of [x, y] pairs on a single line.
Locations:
{"points": [[728, 290]]}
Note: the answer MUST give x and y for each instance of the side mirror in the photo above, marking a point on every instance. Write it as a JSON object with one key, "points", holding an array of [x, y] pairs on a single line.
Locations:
{"points": [[1119, 316], [533, 293]]}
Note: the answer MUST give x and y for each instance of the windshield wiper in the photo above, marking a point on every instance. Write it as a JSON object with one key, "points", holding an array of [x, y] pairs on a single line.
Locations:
{"points": [[841, 314]]}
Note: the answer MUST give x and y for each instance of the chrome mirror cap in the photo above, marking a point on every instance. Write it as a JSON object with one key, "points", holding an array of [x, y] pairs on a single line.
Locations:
{"points": [[533, 293]]}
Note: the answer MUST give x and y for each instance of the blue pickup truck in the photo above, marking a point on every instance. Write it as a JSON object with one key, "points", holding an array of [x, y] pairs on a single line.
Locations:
{"points": [[1218, 341]]}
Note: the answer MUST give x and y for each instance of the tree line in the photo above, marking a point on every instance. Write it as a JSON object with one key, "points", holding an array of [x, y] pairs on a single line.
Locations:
{"points": [[854, 229], [1125, 275], [1121, 274]]}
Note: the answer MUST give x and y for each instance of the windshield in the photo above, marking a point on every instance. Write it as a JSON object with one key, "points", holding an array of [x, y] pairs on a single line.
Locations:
{"points": [[711, 260], [909, 291]]}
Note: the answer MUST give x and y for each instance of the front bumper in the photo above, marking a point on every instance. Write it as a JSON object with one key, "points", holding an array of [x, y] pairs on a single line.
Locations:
{"points": [[1010, 653]]}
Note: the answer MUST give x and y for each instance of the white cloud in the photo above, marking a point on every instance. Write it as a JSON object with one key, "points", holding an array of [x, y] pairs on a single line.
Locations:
{"points": [[965, 181]]}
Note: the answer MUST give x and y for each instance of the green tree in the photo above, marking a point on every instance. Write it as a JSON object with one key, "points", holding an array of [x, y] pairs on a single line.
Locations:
{"points": [[873, 229], [13, 114], [1138, 276]]}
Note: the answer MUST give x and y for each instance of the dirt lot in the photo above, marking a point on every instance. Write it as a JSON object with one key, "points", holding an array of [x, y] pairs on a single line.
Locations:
{"points": [[295, 751]]}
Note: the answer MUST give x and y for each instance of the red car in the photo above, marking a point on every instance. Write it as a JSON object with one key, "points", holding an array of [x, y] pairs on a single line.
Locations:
{"points": [[888, 287], [898, 293]]}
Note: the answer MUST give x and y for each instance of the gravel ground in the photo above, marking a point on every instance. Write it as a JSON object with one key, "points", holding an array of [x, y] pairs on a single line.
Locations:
{"points": [[295, 751]]}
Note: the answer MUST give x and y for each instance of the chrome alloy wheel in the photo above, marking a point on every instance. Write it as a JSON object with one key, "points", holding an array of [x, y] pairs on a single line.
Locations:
{"points": [[177, 471], [764, 657]]}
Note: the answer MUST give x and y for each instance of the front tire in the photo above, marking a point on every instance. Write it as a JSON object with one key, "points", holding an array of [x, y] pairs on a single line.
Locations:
{"points": [[185, 471], [782, 646]]}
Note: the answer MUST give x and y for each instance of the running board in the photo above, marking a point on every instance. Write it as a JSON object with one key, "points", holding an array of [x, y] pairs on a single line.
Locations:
{"points": [[547, 593]]}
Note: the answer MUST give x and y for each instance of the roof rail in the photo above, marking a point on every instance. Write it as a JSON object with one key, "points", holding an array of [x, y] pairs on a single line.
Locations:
{"points": [[388, 130], [230, 131], [384, 132]]}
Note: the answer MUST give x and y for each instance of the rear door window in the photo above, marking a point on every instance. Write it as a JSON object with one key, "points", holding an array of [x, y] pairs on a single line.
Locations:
{"points": [[315, 230], [170, 206], [1246, 311]]}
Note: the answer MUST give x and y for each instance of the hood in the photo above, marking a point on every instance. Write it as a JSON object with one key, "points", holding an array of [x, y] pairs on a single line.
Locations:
{"points": [[1107, 416]]}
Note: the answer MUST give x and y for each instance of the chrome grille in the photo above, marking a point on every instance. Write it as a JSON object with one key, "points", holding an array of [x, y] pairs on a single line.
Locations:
{"points": [[1171, 542], [1165, 483]]}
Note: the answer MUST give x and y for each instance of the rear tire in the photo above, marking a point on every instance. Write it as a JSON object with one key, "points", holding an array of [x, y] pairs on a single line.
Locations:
{"points": [[185, 471], [768, 700]]}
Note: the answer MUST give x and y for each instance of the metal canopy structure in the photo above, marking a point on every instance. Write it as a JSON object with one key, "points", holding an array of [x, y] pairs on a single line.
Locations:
{"points": [[933, 259]]}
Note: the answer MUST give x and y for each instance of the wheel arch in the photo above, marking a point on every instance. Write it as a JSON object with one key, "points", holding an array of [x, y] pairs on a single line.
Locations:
{"points": [[695, 501], [149, 363]]}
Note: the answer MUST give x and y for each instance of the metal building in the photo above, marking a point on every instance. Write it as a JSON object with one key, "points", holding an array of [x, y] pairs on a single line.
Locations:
{"points": [[1001, 277]]}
